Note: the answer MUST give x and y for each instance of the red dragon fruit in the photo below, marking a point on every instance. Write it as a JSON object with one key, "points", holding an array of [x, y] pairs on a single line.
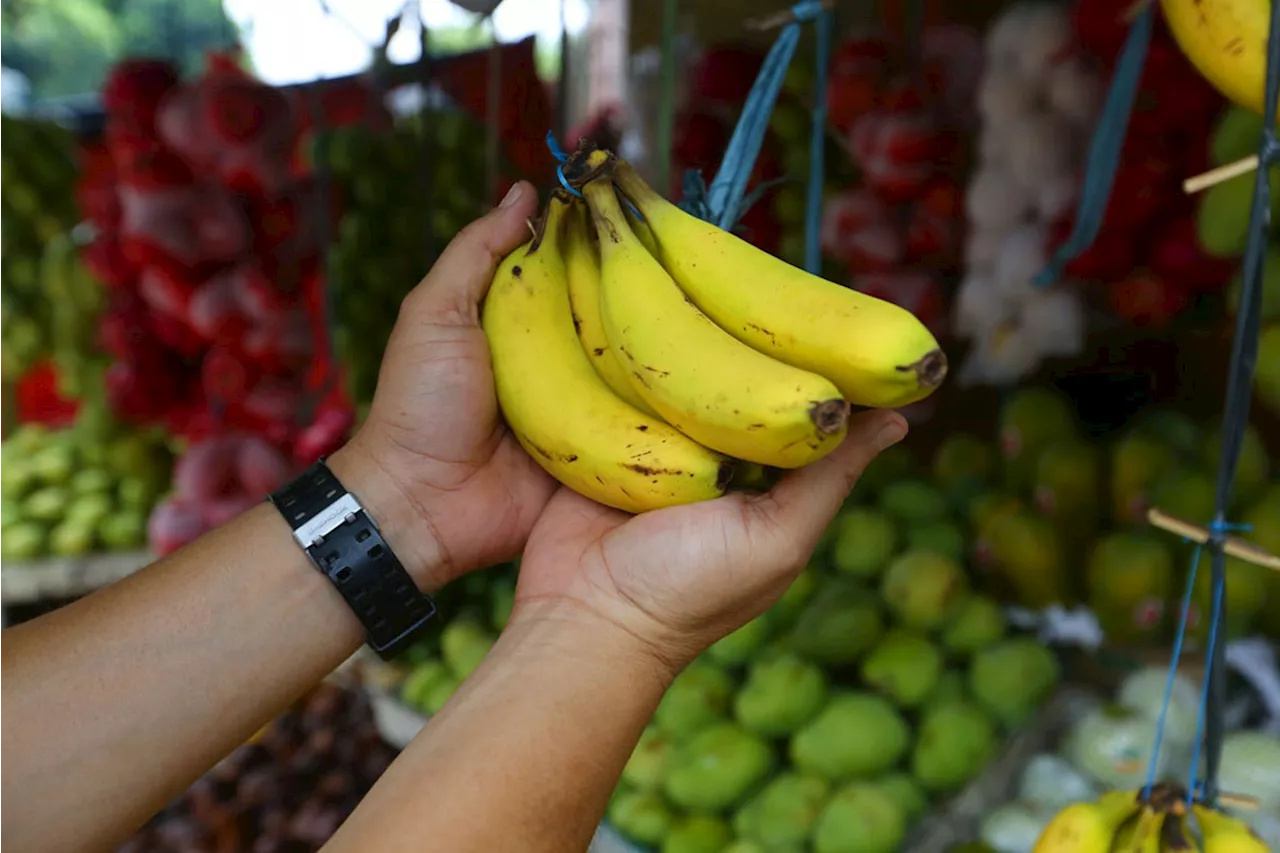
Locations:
{"points": [[174, 523], [858, 231]]}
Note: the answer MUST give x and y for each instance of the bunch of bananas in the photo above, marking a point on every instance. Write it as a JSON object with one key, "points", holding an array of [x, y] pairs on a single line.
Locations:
{"points": [[1138, 822], [1226, 40], [637, 353]]}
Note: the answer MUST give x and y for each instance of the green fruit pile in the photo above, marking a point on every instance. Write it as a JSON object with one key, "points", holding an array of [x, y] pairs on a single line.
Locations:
{"points": [[80, 490], [399, 212], [1223, 231], [75, 301], [878, 685], [480, 606], [37, 203], [1056, 518]]}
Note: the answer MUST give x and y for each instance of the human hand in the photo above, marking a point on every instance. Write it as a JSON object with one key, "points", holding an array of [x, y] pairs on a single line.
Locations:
{"points": [[433, 462], [680, 578]]}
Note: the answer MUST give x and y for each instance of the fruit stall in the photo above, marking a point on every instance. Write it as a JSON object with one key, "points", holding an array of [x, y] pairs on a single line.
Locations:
{"points": [[1056, 602]]}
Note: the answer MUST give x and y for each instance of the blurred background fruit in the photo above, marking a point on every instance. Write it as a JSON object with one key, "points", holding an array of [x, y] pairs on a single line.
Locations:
{"points": [[37, 205], [400, 206], [77, 491]]}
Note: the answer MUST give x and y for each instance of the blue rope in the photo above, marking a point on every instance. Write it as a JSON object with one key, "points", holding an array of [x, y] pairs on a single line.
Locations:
{"points": [[558, 153], [726, 199], [1214, 528], [1217, 528], [1173, 672], [1104, 148], [1244, 357], [722, 202], [817, 150]]}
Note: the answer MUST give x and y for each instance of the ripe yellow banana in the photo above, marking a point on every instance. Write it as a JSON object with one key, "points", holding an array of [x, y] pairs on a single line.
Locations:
{"points": [[876, 353], [1174, 837], [1226, 40], [1223, 833], [643, 233], [560, 410], [1140, 834], [582, 268], [1088, 827], [699, 378]]}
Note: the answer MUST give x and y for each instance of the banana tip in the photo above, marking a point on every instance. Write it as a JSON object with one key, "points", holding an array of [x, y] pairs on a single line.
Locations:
{"points": [[829, 416], [931, 369]]}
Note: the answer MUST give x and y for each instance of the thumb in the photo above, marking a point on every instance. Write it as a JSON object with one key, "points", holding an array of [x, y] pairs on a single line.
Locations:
{"points": [[452, 290], [807, 499]]}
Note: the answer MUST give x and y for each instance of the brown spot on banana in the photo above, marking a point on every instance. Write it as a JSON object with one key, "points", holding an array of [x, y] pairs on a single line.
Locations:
{"points": [[752, 327], [647, 471], [548, 455], [829, 416], [598, 351], [538, 449]]}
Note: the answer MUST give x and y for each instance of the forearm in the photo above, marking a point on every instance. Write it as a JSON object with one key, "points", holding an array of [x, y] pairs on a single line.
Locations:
{"points": [[114, 704], [527, 753]]}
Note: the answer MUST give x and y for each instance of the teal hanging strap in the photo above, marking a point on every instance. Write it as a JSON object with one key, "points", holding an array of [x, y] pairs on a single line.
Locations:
{"points": [[722, 202], [817, 150], [1104, 148], [1210, 719], [1244, 357]]}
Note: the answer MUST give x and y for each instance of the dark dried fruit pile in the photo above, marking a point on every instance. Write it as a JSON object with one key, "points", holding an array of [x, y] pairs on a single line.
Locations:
{"points": [[286, 793]]}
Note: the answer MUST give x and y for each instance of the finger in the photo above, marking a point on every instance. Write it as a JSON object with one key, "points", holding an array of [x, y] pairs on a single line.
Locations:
{"points": [[807, 499], [451, 292]]}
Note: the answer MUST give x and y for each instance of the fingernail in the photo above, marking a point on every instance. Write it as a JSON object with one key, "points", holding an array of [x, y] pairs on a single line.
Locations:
{"points": [[890, 434], [512, 196]]}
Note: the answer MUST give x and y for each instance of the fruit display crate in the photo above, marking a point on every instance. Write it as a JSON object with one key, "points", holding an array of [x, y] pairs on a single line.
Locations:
{"points": [[954, 823], [66, 577]]}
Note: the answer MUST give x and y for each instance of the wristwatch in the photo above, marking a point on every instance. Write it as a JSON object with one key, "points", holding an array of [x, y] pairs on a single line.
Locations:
{"points": [[344, 542]]}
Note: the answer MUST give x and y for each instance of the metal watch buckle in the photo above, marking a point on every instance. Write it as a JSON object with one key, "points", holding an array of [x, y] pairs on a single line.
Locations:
{"points": [[329, 519]]}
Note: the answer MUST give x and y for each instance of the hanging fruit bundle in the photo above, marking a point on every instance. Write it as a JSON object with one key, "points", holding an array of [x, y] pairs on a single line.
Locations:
{"points": [[208, 236], [898, 233]]}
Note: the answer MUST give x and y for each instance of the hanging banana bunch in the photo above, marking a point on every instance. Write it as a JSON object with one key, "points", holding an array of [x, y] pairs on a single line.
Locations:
{"points": [[1158, 821]]}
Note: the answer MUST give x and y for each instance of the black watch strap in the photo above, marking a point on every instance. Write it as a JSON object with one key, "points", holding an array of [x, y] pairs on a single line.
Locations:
{"points": [[344, 542]]}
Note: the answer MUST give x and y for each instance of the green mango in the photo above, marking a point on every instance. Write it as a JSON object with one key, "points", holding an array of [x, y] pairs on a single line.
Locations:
{"points": [[716, 768], [123, 530]]}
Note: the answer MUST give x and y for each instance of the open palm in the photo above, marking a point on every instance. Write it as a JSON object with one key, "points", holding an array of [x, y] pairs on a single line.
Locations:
{"points": [[682, 577]]}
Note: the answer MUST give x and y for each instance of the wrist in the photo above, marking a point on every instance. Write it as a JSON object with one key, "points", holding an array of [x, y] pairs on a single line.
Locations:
{"points": [[386, 503], [569, 628]]}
